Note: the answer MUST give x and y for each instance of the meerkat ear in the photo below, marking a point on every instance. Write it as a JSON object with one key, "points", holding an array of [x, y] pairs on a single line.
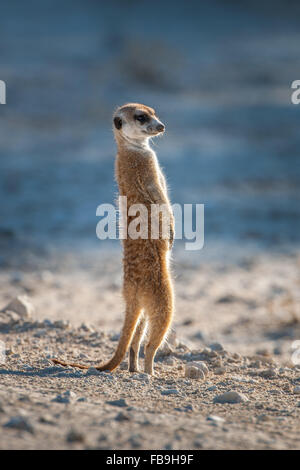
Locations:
{"points": [[118, 122]]}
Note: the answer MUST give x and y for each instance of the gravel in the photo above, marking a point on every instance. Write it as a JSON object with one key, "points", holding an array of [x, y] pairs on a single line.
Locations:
{"points": [[66, 408]]}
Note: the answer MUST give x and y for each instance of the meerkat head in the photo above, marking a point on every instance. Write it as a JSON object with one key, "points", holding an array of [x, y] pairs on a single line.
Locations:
{"points": [[136, 122]]}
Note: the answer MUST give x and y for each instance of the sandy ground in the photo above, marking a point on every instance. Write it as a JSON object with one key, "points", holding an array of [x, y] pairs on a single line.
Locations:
{"points": [[250, 308]]}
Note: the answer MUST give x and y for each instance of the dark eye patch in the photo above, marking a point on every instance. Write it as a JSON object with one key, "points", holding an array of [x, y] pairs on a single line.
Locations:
{"points": [[142, 118], [118, 122]]}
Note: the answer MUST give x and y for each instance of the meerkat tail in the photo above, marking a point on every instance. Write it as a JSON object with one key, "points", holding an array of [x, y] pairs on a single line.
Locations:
{"points": [[126, 337], [131, 320], [71, 364]]}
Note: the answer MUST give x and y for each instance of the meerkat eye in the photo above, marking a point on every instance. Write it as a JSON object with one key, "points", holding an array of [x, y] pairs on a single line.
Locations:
{"points": [[142, 118]]}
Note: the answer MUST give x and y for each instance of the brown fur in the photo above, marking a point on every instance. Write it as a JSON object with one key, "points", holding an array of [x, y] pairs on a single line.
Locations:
{"points": [[147, 287]]}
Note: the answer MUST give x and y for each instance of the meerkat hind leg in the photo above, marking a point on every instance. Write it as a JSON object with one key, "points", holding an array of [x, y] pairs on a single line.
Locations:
{"points": [[135, 345], [158, 325]]}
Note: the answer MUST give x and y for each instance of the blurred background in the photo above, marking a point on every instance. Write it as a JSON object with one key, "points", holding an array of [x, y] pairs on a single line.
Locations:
{"points": [[219, 75]]}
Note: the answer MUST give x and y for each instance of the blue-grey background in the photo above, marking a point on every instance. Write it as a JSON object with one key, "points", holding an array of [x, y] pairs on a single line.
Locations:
{"points": [[217, 72]]}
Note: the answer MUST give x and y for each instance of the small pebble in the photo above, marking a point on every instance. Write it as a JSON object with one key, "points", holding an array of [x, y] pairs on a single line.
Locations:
{"points": [[169, 361], [122, 417], [92, 371], [47, 419], [216, 347], [164, 351], [263, 418], [21, 423], [171, 391], [277, 351], [215, 420], [20, 305], [121, 403], [66, 397], [196, 370], [75, 436], [268, 373], [141, 377], [220, 370], [135, 441], [62, 324], [230, 397]]}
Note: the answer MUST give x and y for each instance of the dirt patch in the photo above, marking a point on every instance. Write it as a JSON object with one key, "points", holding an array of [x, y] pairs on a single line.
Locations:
{"points": [[50, 407]]}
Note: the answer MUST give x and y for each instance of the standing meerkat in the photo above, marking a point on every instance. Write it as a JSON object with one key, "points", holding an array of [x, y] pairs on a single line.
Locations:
{"points": [[147, 284]]}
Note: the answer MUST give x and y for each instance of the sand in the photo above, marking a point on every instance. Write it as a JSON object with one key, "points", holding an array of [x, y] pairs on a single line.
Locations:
{"points": [[240, 320]]}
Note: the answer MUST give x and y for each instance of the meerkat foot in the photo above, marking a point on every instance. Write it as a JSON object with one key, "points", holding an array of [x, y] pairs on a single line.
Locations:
{"points": [[133, 368], [149, 368], [133, 361]]}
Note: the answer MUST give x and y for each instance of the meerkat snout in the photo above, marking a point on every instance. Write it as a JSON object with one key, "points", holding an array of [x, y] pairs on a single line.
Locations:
{"points": [[155, 127], [160, 127]]}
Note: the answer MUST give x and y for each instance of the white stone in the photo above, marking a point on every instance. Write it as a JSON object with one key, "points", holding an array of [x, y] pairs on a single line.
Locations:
{"points": [[230, 397], [216, 420], [196, 370], [20, 305], [164, 351]]}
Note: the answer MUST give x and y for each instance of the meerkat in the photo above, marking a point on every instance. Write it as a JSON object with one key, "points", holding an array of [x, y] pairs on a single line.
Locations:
{"points": [[147, 283]]}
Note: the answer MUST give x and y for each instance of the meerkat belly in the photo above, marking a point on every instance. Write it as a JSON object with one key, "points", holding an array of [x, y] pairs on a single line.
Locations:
{"points": [[145, 261]]}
